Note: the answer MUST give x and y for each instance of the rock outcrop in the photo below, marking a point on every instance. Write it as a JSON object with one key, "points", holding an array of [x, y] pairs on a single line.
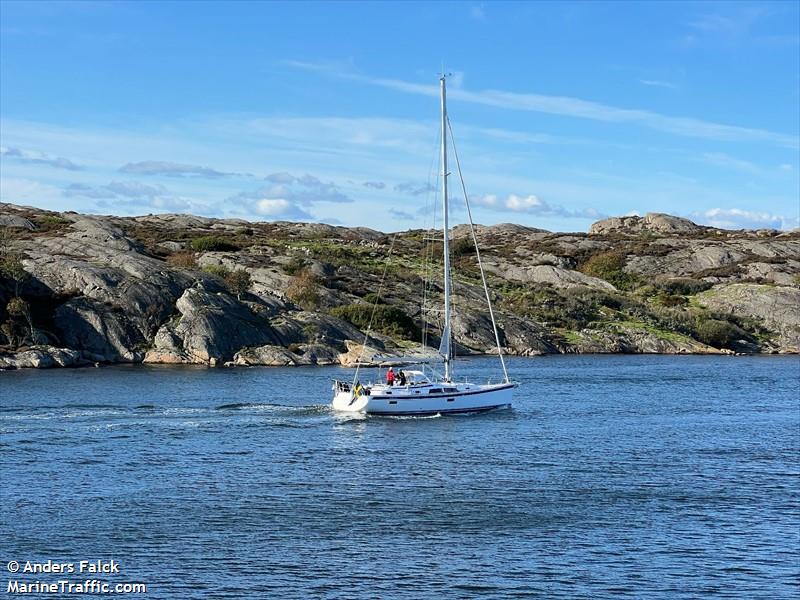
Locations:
{"points": [[83, 289], [777, 307], [652, 222], [42, 357]]}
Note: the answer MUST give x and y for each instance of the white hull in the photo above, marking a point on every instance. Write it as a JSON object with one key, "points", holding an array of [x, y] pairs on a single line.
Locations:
{"points": [[414, 400]]}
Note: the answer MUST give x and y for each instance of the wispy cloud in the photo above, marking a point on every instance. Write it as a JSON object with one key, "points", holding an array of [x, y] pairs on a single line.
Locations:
{"points": [[736, 218], [720, 159], [288, 196], [304, 189], [733, 22], [131, 196], [171, 169], [115, 189], [477, 12], [374, 185], [583, 109], [31, 156], [741, 23], [533, 205], [658, 83], [401, 215], [414, 189]]}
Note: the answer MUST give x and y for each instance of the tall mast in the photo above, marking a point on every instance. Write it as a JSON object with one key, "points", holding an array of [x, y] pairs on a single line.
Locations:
{"points": [[446, 230]]}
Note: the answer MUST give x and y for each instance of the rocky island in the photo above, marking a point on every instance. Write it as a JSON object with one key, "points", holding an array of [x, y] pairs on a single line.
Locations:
{"points": [[179, 289]]}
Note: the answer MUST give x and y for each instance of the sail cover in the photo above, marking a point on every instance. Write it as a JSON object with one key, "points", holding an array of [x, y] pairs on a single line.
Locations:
{"points": [[444, 347]]}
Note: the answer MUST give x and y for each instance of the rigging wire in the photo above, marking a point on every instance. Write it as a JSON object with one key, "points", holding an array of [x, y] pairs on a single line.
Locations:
{"points": [[427, 247], [477, 252], [374, 309]]}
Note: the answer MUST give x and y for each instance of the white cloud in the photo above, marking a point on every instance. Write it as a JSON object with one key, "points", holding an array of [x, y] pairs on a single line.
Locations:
{"points": [[280, 208], [288, 197], [533, 205], [736, 218], [520, 204]]}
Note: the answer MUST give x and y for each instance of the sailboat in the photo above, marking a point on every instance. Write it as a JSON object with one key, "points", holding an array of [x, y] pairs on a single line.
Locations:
{"points": [[420, 394]]}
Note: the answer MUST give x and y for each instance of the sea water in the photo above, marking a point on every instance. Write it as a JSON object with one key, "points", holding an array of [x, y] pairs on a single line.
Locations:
{"points": [[625, 476]]}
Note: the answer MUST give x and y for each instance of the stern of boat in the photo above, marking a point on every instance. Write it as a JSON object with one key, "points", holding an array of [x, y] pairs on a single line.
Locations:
{"points": [[344, 399]]}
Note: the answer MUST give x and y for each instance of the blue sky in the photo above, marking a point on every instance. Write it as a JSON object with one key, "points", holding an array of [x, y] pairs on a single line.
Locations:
{"points": [[563, 112]]}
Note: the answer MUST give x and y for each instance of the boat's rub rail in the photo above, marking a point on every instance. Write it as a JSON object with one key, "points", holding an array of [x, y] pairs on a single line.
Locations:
{"points": [[444, 394]]}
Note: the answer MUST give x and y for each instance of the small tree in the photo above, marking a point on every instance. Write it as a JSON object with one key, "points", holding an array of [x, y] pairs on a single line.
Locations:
{"points": [[238, 282], [9, 329], [304, 290], [11, 268], [17, 307]]}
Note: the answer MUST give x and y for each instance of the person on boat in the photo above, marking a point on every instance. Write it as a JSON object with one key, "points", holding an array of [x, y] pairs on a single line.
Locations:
{"points": [[402, 377], [390, 376]]}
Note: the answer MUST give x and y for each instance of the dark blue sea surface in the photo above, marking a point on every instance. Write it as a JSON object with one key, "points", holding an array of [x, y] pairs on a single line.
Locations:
{"points": [[624, 476]]}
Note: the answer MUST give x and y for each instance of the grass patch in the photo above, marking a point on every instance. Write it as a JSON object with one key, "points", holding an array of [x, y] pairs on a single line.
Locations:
{"points": [[50, 222], [212, 243]]}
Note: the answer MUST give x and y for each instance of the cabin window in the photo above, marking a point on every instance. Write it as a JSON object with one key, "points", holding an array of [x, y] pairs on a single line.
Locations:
{"points": [[435, 391]]}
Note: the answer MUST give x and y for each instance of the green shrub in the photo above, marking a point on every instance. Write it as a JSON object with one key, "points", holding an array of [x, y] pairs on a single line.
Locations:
{"points": [[208, 243], [717, 333], [50, 222], [294, 266], [217, 271], [684, 286], [609, 266], [389, 320], [672, 300], [373, 298], [723, 271], [462, 246]]}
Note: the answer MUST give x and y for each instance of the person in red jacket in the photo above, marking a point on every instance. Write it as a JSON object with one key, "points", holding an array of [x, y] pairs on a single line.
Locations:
{"points": [[390, 376]]}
